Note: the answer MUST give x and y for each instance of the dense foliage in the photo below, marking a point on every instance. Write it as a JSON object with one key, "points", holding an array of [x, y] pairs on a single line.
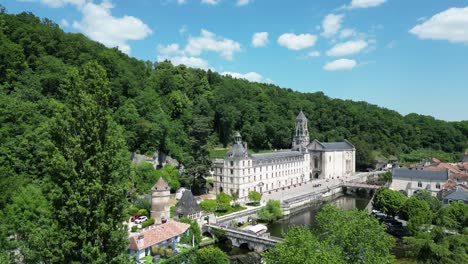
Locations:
{"points": [[210, 255], [270, 212], [71, 110]]}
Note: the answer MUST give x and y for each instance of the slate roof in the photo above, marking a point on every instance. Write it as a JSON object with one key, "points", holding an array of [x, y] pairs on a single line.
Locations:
{"points": [[161, 185], [237, 151], [187, 204], [337, 145], [157, 234], [301, 116], [276, 155], [459, 194], [421, 175]]}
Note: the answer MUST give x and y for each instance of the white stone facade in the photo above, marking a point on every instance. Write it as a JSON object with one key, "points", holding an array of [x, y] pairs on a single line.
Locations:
{"points": [[411, 181], [240, 172]]}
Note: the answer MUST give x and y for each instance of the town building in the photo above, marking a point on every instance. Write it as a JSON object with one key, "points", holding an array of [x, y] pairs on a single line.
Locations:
{"points": [[187, 207], [411, 181], [166, 235], [457, 194], [160, 196], [239, 172]]}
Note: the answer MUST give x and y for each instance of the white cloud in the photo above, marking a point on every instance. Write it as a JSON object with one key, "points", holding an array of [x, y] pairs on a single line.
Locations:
{"points": [[347, 48], [364, 3], [183, 29], [99, 24], [331, 24], [181, 2], [451, 25], [64, 23], [250, 76], [177, 56], [208, 41], [210, 2], [260, 39], [347, 32], [243, 2], [340, 64], [297, 42], [313, 54]]}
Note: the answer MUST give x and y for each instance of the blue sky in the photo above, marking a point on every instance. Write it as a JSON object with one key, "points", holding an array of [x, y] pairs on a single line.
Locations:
{"points": [[409, 56]]}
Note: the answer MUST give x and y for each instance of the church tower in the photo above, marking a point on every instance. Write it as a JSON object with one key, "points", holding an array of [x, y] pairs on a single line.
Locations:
{"points": [[301, 133]]}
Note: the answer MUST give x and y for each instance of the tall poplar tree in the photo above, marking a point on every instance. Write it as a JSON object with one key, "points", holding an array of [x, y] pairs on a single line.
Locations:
{"points": [[89, 167]]}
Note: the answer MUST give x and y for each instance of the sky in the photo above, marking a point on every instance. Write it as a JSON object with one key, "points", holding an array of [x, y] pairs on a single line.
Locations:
{"points": [[408, 56]]}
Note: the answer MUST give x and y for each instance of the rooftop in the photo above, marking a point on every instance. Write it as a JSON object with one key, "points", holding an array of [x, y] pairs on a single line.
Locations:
{"points": [[157, 234], [276, 155], [333, 145], [421, 174], [187, 204], [161, 185], [459, 194]]}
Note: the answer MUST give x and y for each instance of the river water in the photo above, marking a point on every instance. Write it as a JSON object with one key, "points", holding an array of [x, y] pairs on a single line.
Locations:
{"points": [[304, 216]]}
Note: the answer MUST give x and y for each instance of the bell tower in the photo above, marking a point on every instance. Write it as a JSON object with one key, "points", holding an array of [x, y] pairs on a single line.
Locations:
{"points": [[301, 133]]}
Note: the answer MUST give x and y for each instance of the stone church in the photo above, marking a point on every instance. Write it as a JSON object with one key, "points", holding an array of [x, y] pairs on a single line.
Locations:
{"points": [[239, 172]]}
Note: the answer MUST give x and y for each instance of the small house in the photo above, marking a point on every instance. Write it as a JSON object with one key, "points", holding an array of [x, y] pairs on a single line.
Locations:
{"points": [[187, 207]]}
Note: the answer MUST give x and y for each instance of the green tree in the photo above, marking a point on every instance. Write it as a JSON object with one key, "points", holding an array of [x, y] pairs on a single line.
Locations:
{"points": [[360, 238], [432, 201], [388, 201], [418, 213], [223, 201], [208, 205], [255, 196], [89, 167], [210, 255], [454, 216], [300, 245], [194, 233], [271, 211]]}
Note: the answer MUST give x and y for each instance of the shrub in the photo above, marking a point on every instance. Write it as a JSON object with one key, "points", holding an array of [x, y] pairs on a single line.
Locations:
{"points": [[162, 251], [148, 223], [134, 228], [155, 251], [142, 212], [168, 252], [132, 210]]}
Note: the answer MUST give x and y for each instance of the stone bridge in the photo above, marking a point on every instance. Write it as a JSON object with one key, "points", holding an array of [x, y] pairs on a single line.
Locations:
{"points": [[240, 238], [360, 185]]}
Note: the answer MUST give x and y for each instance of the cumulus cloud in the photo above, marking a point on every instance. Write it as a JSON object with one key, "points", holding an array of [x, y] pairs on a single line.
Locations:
{"points": [[99, 24], [64, 23], [210, 2], [347, 48], [243, 2], [331, 24], [347, 32], [208, 41], [451, 25], [340, 64], [177, 56], [181, 2], [297, 42], [364, 3], [250, 76], [260, 39], [313, 54]]}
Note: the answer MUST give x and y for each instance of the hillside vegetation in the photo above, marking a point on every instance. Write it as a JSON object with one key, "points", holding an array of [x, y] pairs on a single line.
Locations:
{"points": [[71, 110]]}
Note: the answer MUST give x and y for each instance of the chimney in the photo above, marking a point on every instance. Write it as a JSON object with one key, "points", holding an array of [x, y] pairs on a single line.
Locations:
{"points": [[141, 241]]}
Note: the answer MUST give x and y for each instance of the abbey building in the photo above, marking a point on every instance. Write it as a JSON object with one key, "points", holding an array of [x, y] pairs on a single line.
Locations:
{"points": [[239, 172]]}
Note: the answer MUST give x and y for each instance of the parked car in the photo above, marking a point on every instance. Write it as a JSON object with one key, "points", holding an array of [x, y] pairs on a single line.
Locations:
{"points": [[135, 217], [141, 219]]}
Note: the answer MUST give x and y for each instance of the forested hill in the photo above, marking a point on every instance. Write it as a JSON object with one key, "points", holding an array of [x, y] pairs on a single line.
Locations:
{"points": [[185, 111]]}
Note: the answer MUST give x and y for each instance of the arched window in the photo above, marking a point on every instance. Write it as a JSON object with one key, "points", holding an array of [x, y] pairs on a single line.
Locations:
{"points": [[438, 186], [419, 184]]}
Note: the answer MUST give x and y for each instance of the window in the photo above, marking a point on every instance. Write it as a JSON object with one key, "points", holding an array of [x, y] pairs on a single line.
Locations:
{"points": [[438, 185], [329, 159], [232, 180], [232, 172], [221, 179], [232, 163], [419, 184], [243, 163]]}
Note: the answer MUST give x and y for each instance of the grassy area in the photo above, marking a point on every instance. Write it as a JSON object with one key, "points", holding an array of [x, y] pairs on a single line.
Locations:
{"points": [[147, 259], [405, 261], [235, 208], [220, 152]]}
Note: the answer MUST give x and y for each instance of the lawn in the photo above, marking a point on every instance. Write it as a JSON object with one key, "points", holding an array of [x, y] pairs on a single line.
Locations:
{"points": [[232, 209]]}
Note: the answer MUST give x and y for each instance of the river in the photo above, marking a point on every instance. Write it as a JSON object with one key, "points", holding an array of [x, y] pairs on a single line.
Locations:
{"points": [[304, 216]]}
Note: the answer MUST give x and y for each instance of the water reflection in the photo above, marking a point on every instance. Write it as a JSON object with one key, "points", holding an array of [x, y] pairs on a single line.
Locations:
{"points": [[307, 215]]}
